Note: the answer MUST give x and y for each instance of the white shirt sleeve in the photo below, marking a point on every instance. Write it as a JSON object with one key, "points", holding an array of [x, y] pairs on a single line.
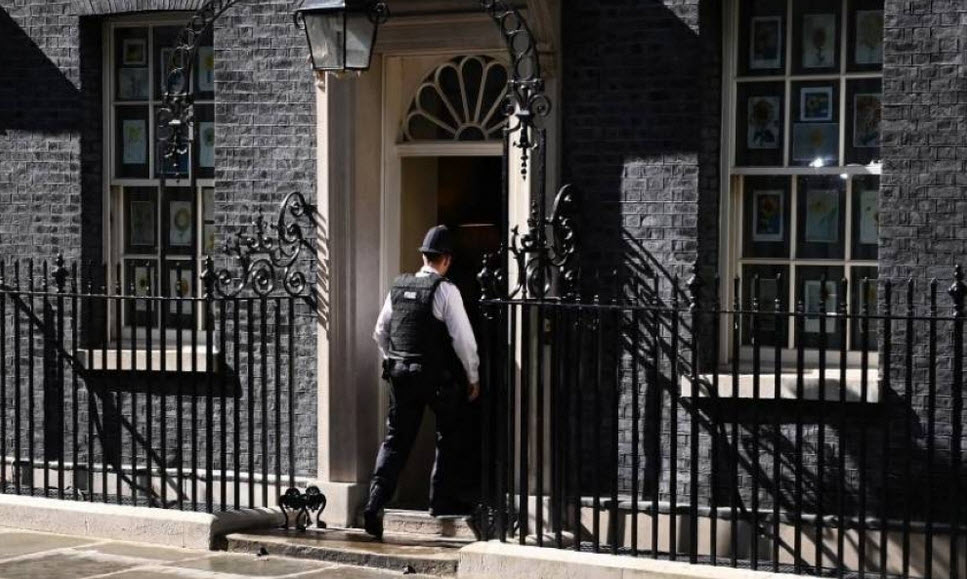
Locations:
{"points": [[381, 333], [448, 308]]}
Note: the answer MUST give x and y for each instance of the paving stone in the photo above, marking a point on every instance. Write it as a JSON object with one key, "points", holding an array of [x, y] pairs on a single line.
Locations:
{"points": [[135, 550], [19, 543], [61, 565], [344, 572], [249, 565]]}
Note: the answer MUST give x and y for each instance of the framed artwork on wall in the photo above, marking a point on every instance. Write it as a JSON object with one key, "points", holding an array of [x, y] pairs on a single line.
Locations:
{"points": [[869, 37], [867, 110], [134, 52], [134, 147], [179, 227], [766, 47], [822, 216], [816, 104], [767, 215], [819, 40], [763, 130]]}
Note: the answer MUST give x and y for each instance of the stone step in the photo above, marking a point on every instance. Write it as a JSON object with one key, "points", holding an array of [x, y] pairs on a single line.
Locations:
{"points": [[421, 523], [400, 552]]}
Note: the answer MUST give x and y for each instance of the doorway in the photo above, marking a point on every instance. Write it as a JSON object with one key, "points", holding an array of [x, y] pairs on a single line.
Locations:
{"points": [[464, 194]]}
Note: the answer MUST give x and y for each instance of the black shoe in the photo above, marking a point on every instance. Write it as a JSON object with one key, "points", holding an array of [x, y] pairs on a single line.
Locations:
{"points": [[373, 524]]}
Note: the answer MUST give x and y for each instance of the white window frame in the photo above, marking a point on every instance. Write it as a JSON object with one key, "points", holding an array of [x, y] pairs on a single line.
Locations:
{"points": [[731, 257]]}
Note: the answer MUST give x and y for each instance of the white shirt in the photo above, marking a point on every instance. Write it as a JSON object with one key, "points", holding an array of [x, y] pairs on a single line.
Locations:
{"points": [[448, 308]]}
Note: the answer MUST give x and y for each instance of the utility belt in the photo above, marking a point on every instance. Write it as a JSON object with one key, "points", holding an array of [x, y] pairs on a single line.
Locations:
{"points": [[398, 366]]}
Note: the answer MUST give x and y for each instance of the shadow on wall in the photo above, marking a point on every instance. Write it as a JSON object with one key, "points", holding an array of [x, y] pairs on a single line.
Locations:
{"points": [[35, 95]]}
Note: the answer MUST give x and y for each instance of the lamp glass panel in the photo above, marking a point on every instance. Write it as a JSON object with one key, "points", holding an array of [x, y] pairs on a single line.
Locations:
{"points": [[360, 34], [326, 31]]}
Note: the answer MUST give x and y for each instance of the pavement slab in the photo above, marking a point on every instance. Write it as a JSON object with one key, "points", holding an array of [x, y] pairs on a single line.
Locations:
{"points": [[30, 555]]}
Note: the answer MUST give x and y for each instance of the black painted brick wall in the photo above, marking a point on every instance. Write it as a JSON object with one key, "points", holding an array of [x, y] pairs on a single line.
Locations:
{"points": [[51, 152]]}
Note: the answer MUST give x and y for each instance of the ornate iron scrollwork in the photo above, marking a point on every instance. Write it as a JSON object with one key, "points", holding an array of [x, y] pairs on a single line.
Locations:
{"points": [[526, 101], [302, 505], [545, 253], [270, 255]]}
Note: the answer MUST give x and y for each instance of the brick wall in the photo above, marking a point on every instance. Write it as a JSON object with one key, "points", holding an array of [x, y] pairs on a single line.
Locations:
{"points": [[51, 154]]}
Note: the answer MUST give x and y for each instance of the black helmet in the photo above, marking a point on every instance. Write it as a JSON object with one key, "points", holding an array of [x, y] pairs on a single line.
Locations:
{"points": [[437, 241]]}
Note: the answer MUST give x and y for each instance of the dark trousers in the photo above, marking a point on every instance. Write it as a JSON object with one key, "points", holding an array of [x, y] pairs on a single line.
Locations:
{"points": [[409, 396]]}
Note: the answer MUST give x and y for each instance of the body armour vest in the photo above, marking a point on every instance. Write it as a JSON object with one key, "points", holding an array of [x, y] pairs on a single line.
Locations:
{"points": [[415, 333]]}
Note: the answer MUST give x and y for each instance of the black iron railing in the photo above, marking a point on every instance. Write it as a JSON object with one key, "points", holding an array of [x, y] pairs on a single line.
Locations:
{"points": [[824, 438], [127, 397]]}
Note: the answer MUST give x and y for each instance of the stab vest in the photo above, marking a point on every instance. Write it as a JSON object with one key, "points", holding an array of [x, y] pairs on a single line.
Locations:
{"points": [[415, 333]]}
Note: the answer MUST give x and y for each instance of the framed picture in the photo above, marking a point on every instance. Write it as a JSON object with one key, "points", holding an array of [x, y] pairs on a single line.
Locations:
{"points": [[867, 109], [143, 285], [209, 238], [819, 40], [133, 84], [134, 52], [815, 141], [869, 37], [208, 203], [816, 104], [766, 47], [763, 132], [141, 226], [812, 298], [822, 216], [767, 215], [869, 217], [180, 287], [206, 69], [206, 147], [134, 144], [179, 226]]}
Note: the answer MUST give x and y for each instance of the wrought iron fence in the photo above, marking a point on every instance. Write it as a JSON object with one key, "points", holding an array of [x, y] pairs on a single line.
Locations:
{"points": [[169, 401], [825, 438]]}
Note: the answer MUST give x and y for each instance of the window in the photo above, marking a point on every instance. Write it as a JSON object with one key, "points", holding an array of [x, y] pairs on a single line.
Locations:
{"points": [[156, 244], [806, 84]]}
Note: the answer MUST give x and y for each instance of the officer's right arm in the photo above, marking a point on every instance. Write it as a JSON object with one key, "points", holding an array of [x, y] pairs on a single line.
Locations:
{"points": [[381, 333]]}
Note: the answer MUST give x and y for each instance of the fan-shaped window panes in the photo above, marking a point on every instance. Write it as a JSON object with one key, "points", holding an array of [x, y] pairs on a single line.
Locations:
{"points": [[460, 101]]}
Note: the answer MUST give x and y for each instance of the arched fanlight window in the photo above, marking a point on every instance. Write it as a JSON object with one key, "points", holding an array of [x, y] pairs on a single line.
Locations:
{"points": [[462, 100]]}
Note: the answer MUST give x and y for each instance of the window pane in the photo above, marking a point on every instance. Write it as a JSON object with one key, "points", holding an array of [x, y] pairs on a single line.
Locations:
{"points": [[769, 287], [205, 141], [863, 120], [180, 228], [131, 64], [762, 37], [140, 280], [205, 69], [141, 220], [865, 32], [132, 142], [767, 207], [180, 276], [164, 43], [809, 290], [864, 294], [173, 167], [759, 120], [866, 217], [815, 36], [815, 123], [208, 219], [821, 217]]}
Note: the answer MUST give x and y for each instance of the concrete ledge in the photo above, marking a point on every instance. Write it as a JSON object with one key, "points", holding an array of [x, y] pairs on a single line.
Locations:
{"points": [[157, 526], [495, 559]]}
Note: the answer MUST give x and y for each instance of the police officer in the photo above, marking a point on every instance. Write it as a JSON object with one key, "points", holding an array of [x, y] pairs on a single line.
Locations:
{"points": [[430, 358]]}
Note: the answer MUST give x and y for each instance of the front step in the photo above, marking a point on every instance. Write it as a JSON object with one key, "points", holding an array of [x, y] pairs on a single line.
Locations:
{"points": [[421, 523], [397, 552]]}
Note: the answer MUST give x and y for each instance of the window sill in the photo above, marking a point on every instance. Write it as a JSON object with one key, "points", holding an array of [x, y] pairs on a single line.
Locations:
{"points": [[99, 361], [788, 386]]}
